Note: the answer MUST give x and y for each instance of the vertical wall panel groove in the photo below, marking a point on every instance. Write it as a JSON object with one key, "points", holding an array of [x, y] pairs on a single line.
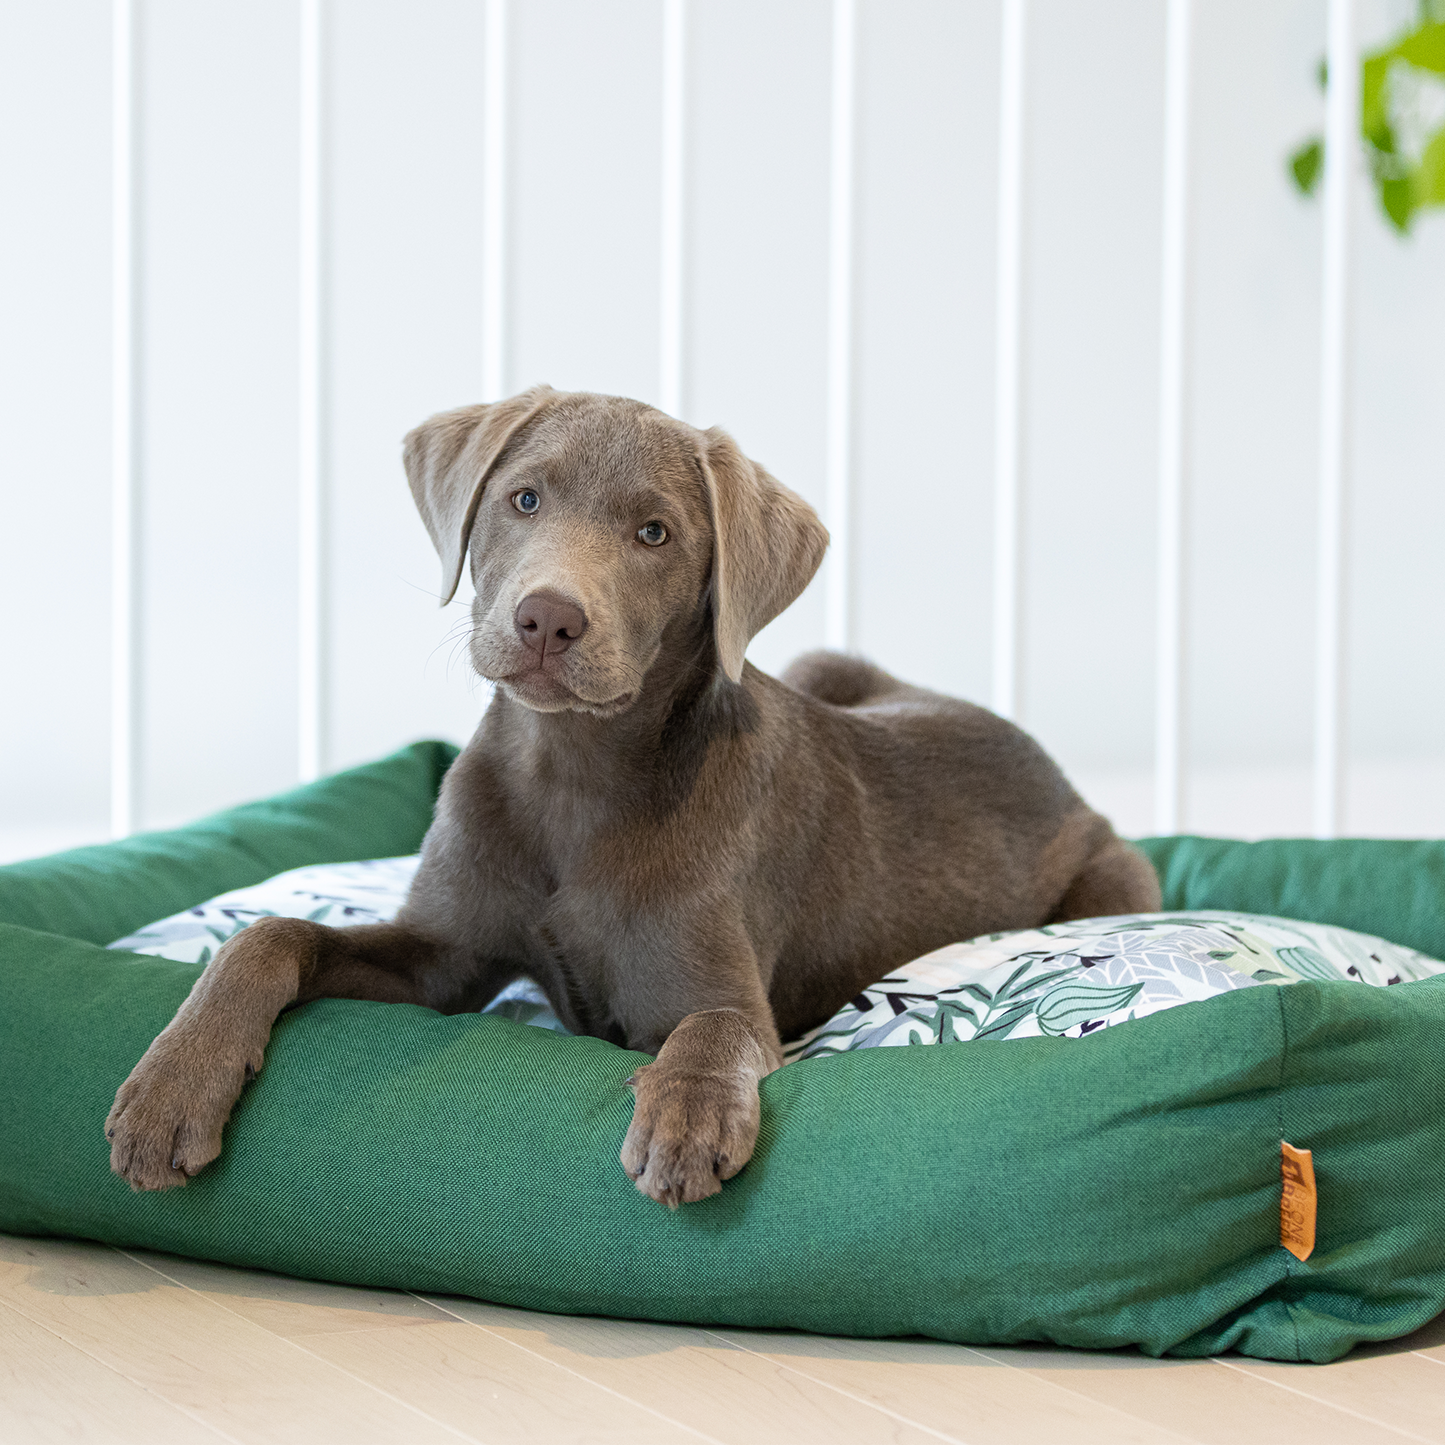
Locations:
{"points": [[494, 211], [671, 308], [1342, 111], [1008, 369], [839, 621], [311, 550], [1169, 706], [125, 715]]}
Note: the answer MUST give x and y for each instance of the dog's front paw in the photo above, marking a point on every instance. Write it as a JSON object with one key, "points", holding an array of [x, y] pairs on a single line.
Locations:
{"points": [[690, 1131], [166, 1122]]}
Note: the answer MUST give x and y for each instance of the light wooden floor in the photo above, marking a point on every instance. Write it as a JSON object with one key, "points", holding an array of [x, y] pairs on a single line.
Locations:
{"points": [[104, 1345]]}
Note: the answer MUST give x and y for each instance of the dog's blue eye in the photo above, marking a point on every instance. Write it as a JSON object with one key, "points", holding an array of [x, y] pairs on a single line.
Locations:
{"points": [[654, 534], [527, 501]]}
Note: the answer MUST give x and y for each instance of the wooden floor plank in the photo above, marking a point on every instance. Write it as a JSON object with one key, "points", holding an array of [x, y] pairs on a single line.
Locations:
{"points": [[51, 1391], [295, 1309], [1399, 1390], [98, 1345], [1428, 1342], [689, 1375], [957, 1389], [1203, 1399], [457, 1370], [216, 1366], [463, 1376]]}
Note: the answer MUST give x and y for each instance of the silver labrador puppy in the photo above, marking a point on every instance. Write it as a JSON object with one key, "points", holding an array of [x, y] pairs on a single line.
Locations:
{"points": [[691, 858]]}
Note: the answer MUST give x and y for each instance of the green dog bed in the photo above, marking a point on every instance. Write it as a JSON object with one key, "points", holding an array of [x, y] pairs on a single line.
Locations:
{"points": [[1119, 1190]]}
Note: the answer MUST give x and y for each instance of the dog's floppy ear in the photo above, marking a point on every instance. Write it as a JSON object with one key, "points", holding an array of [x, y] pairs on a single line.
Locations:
{"points": [[448, 459], [767, 544]]}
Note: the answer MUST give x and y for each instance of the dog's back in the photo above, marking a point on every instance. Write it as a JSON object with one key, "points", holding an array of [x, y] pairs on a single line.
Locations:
{"points": [[899, 820]]}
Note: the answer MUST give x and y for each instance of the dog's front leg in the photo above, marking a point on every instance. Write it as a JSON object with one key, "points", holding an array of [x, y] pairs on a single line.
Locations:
{"points": [[696, 1117], [166, 1122]]}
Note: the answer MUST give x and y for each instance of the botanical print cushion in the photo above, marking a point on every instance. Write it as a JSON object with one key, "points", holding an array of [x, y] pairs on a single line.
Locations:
{"points": [[1069, 979], [1065, 980], [338, 894]]}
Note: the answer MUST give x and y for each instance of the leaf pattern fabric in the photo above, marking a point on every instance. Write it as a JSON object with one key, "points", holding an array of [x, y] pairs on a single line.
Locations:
{"points": [[1065, 980], [1070, 979], [340, 895]]}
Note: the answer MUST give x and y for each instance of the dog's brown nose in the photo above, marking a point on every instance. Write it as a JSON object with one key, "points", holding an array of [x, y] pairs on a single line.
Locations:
{"points": [[548, 623]]}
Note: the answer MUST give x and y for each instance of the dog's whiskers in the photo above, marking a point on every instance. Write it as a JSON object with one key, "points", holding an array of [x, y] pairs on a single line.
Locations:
{"points": [[458, 635]]}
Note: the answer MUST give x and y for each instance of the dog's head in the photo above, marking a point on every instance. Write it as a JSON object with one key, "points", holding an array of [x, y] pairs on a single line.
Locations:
{"points": [[595, 524]]}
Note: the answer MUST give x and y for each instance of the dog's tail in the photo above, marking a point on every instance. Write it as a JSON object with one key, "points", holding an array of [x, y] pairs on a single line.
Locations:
{"points": [[843, 681]]}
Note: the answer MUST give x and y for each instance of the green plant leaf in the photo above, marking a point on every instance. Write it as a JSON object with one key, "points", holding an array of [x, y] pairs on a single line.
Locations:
{"points": [[1306, 164], [1397, 200], [1406, 180], [1374, 114], [1425, 46], [1430, 174]]}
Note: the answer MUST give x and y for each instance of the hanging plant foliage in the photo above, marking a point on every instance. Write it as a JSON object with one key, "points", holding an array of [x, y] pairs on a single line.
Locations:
{"points": [[1402, 121]]}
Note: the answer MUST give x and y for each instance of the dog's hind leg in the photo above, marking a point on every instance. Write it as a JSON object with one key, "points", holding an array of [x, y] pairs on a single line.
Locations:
{"points": [[843, 681], [1115, 879]]}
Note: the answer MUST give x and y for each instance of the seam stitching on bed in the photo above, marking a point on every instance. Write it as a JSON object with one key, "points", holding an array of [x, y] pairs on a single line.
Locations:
{"points": [[1279, 1116]]}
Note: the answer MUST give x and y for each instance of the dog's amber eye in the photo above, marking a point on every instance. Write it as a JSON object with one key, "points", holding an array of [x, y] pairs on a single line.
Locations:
{"points": [[527, 501], [654, 534]]}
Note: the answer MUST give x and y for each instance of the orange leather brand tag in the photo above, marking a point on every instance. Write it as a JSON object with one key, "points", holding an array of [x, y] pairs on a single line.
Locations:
{"points": [[1297, 1203]]}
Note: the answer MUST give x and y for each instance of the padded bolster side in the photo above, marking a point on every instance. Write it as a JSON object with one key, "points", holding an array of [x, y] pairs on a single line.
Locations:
{"points": [[1392, 889], [99, 894], [1122, 1189]]}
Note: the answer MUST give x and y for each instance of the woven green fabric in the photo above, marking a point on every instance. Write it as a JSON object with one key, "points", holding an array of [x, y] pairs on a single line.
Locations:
{"points": [[379, 810], [1390, 889], [1122, 1189]]}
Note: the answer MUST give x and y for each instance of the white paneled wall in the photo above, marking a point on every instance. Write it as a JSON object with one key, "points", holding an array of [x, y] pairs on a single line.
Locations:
{"points": [[348, 214], [55, 524], [216, 390], [928, 89], [403, 282], [756, 252]]}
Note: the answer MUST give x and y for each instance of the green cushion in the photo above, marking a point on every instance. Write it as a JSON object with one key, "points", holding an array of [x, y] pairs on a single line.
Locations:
{"points": [[1120, 1189], [380, 810], [1390, 889]]}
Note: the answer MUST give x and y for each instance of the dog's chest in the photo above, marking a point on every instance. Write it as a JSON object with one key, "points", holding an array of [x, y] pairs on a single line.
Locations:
{"points": [[573, 971], [591, 939]]}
